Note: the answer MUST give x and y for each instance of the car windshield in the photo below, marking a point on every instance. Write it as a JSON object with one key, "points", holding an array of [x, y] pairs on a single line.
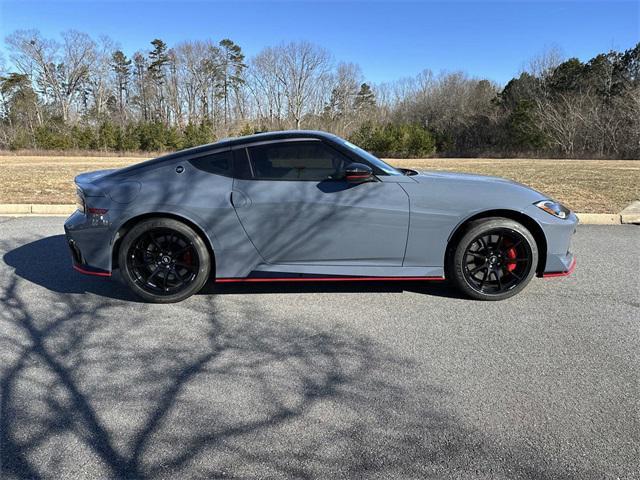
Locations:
{"points": [[388, 169]]}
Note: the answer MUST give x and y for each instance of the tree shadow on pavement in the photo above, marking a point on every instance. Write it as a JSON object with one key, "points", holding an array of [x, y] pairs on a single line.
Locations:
{"points": [[223, 396], [217, 387], [47, 262]]}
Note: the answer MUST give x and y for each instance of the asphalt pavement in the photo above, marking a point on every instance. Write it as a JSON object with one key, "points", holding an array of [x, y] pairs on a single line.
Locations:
{"points": [[364, 380]]}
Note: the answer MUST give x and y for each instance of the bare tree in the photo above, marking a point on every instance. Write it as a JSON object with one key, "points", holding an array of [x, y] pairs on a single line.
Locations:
{"points": [[98, 78], [198, 70], [267, 90], [544, 63], [561, 119], [59, 69], [302, 66], [344, 83], [174, 92]]}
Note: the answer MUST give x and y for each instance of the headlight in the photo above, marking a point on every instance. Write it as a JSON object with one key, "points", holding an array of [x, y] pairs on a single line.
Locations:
{"points": [[554, 208]]}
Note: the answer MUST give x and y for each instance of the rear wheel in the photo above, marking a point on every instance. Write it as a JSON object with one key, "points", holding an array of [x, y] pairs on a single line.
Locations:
{"points": [[495, 259], [163, 260]]}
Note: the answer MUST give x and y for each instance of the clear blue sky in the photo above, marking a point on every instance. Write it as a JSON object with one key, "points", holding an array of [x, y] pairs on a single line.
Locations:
{"points": [[388, 39]]}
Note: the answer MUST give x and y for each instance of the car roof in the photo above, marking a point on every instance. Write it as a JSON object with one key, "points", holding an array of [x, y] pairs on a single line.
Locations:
{"points": [[257, 137], [266, 136], [228, 143]]}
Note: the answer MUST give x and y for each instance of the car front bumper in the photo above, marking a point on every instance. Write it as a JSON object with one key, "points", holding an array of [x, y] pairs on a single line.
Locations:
{"points": [[563, 273], [560, 260]]}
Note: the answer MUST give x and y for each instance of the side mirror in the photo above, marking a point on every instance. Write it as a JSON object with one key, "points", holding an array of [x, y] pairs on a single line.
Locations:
{"points": [[358, 173]]}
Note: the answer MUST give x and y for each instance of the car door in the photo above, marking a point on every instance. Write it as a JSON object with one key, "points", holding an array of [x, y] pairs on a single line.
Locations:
{"points": [[295, 210]]}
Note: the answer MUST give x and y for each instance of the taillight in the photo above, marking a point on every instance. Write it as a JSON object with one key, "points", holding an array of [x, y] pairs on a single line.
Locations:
{"points": [[97, 211], [84, 208], [80, 201]]}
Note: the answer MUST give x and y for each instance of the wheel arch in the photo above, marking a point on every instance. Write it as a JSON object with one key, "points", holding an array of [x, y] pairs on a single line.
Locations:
{"points": [[131, 222], [525, 220]]}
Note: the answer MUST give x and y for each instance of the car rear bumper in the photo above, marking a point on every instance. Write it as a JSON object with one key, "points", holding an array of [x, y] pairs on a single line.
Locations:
{"points": [[87, 270], [89, 244]]}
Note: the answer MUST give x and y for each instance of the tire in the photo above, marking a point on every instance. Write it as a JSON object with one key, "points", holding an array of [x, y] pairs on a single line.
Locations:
{"points": [[494, 259], [163, 260]]}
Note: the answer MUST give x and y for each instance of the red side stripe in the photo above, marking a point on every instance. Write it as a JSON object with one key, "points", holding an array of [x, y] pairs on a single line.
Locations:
{"points": [[572, 267], [89, 272], [326, 279]]}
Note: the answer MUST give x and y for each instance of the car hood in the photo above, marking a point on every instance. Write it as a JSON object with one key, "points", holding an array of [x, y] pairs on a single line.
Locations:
{"points": [[424, 177], [490, 191]]}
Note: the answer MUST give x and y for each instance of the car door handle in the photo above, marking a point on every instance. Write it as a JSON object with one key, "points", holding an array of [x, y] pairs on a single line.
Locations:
{"points": [[239, 199]]}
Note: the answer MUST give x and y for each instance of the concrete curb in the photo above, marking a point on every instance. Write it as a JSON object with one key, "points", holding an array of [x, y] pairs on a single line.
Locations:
{"points": [[632, 214], [599, 218], [19, 209], [55, 209], [15, 208]]}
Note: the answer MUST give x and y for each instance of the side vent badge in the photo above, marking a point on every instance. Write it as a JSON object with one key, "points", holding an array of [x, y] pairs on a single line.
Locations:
{"points": [[179, 169]]}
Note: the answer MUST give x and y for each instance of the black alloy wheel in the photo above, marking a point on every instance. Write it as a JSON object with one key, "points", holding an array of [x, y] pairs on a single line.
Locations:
{"points": [[164, 260], [495, 259]]}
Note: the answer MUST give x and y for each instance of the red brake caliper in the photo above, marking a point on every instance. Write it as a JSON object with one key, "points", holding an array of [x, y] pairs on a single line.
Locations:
{"points": [[187, 257], [511, 255]]}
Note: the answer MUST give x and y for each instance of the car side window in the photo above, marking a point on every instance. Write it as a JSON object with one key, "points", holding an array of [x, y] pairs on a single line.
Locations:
{"points": [[218, 163], [241, 167], [300, 160]]}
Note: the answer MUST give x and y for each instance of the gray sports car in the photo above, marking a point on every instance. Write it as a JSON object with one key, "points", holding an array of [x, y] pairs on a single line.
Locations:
{"points": [[310, 206]]}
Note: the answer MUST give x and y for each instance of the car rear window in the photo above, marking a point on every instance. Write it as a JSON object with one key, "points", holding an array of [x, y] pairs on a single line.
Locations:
{"points": [[219, 163]]}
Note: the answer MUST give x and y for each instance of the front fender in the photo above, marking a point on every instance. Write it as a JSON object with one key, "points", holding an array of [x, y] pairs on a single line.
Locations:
{"points": [[441, 204]]}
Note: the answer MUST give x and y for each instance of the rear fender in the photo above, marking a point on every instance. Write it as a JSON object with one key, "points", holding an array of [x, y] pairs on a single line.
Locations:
{"points": [[120, 230]]}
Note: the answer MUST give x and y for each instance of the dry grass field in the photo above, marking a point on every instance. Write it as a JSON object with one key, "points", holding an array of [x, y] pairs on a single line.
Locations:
{"points": [[40, 179], [590, 186]]}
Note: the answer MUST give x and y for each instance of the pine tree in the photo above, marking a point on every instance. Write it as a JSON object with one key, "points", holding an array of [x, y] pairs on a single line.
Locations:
{"points": [[333, 109], [140, 75], [20, 109], [232, 67], [159, 59], [121, 66], [365, 99]]}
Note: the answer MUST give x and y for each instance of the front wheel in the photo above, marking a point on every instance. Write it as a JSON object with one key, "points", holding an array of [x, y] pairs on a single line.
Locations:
{"points": [[495, 259], [163, 260]]}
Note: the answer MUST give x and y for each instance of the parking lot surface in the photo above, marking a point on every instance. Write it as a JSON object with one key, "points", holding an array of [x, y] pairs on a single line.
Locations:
{"points": [[365, 380]]}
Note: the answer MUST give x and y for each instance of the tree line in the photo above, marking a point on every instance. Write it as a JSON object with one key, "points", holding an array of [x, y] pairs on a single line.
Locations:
{"points": [[76, 92]]}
